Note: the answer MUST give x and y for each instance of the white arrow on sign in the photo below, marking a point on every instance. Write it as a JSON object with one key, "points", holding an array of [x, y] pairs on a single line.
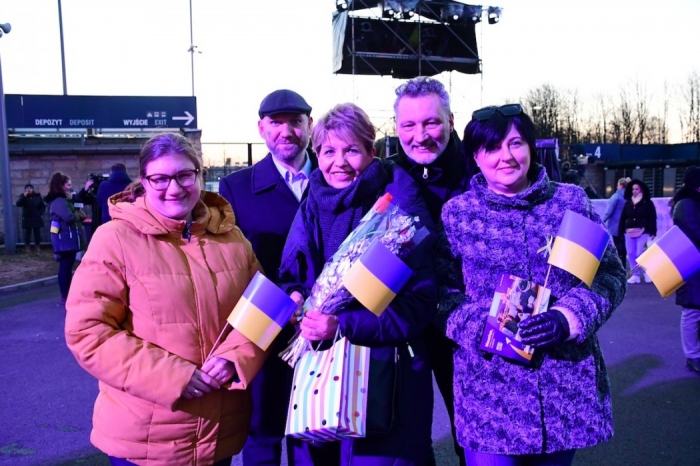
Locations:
{"points": [[188, 117]]}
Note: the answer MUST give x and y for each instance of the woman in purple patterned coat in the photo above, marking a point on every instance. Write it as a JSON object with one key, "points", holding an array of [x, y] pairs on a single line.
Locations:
{"points": [[507, 413]]}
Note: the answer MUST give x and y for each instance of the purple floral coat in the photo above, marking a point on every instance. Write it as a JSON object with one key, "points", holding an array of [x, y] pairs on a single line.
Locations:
{"points": [[562, 399]]}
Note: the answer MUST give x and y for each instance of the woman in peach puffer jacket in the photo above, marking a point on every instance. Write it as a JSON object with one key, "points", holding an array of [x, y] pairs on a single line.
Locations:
{"points": [[144, 312]]}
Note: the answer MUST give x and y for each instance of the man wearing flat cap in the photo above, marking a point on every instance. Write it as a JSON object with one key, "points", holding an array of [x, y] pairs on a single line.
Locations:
{"points": [[265, 198]]}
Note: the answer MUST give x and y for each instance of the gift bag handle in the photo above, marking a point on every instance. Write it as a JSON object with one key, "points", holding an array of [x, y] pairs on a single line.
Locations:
{"points": [[337, 337]]}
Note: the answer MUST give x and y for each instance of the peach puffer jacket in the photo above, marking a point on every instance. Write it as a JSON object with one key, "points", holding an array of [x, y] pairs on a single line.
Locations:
{"points": [[144, 310]]}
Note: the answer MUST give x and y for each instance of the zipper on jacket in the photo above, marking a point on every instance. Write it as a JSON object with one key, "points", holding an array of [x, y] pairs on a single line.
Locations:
{"points": [[410, 350], [186, 233], [425, 173]]}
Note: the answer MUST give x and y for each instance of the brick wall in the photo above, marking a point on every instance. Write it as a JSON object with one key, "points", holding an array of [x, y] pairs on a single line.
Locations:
{"points": [[34, 160]]}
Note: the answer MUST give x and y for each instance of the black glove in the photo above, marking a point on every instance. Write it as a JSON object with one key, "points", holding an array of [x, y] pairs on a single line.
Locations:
{"points": [[545, 330]]}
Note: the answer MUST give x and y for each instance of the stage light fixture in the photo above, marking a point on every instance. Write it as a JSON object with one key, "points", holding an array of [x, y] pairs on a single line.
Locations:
{"points": [[494, 13], [341, 5], [473, 12], [451, 12]]}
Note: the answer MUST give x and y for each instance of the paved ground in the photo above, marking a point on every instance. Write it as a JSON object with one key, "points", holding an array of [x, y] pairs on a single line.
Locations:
{"points": [[45, 413]]}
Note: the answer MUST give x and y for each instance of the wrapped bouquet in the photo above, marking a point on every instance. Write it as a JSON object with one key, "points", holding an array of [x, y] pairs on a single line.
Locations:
{"points": [[384, 228]]}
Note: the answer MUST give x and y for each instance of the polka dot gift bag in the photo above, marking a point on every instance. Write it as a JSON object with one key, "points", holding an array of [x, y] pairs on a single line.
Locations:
{"points": [[329, 393]]}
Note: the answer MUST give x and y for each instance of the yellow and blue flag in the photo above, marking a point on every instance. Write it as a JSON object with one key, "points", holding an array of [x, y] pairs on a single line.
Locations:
{"points": [[670, 261], [579, 246], [262, 311], [55, 227], [376, 277]]}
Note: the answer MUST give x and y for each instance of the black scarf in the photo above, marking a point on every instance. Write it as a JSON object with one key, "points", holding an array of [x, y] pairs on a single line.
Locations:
{"points": [[339, 211]]}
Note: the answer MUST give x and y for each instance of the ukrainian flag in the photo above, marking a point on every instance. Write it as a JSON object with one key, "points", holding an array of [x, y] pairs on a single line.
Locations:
{"points": [[670, 261], [262, 311], [376, 277], [55, 227], [579, 246]]}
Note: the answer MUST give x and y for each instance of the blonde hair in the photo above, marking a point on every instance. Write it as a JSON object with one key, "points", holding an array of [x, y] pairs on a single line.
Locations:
{"points": [[623, 181]]}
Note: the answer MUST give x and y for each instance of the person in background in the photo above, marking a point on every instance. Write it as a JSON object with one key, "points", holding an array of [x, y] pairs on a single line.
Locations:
{"points": [[33, 207], [638, 222], [148, 302], [265, 198], [62, 210], [686, 215], [611, 218], [509, 414], [117, 182], [430, 151], [347, 184]]}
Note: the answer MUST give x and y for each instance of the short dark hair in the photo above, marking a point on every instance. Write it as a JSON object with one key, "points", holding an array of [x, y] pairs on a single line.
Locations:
{"points": [[118, 167], [489, 134], [28, 185]]}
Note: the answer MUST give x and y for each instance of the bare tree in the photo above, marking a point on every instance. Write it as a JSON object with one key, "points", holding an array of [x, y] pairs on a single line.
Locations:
{"points": [[544, 104], [690, 111], [641, 116], [623, 119]]}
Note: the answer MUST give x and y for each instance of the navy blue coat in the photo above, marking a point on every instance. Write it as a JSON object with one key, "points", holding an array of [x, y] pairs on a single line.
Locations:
{"points": [[116, 183], [264, 207], [401, 324]]}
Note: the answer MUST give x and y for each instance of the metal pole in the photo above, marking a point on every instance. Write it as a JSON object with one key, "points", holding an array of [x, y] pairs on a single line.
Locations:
{"points": [[8, 213], [191, 49], [63, 53]]}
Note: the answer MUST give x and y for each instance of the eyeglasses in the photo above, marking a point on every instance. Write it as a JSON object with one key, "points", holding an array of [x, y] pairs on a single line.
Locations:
{"points": [[185, 179], [506, 110]]}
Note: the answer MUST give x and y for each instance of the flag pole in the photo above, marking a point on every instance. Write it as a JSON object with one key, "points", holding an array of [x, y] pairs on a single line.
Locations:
{"points": [[216, 343], [547, 277], [631, 272]]}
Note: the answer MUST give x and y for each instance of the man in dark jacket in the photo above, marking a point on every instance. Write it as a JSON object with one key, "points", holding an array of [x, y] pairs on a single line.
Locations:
{"points": [[33, 207], [118, 181], [265, 199], [430, 151]]}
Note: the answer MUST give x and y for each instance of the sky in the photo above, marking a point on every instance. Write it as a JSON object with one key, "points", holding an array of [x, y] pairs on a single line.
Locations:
{"points": [[250, 48]]}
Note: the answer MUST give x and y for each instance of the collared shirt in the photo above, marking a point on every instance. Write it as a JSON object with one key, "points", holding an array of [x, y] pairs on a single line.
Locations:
{"points": [[297, 183]]}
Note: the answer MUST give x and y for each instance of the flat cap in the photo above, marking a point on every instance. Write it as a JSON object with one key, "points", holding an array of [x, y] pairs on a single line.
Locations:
{"points": [[283, 101]]}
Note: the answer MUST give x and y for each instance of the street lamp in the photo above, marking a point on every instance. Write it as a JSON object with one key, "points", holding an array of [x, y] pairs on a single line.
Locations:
{"points": [[8, 217]]}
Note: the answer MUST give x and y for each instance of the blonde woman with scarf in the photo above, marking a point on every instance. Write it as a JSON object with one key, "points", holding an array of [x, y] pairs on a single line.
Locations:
{"points": [[638, 221]]}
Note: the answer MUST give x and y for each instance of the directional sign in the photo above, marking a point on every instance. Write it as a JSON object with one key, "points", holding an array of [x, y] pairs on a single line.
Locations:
{"points": [[53, 112]]}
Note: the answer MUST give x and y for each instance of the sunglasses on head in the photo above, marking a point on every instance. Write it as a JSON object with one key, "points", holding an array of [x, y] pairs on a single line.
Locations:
{"points": [[505, 110]]}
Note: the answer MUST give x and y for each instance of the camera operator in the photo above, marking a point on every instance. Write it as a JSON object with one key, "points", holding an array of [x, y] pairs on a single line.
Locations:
{"points": [[88, 196]]}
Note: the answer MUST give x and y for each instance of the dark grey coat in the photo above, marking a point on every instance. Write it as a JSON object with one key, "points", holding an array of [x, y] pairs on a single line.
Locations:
{"points": [[562, 400], [33, 207]]}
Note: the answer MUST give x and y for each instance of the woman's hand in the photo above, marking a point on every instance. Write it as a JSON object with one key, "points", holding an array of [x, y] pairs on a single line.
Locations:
{"points": [[199, 384], [299, 299], [316, 326], [220, 369]]}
